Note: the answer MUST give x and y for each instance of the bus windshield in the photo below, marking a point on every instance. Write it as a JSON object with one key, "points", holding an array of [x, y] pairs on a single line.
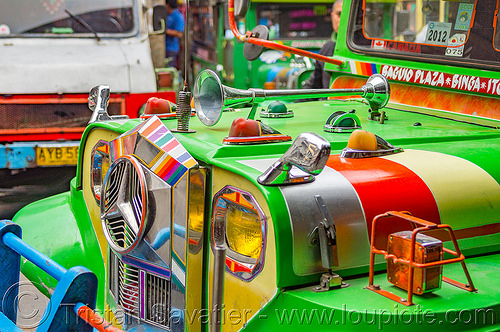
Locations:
{"points": [[447, 31], [296, 20], [62, 17]]}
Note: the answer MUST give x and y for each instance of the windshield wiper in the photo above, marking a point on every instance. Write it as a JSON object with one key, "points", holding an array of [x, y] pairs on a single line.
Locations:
{"points": [[84, 24]]}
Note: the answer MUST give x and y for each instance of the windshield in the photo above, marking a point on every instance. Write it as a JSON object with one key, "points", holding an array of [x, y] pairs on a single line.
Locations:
{"points": [[296, 20], [26, 17], [447, 31]]}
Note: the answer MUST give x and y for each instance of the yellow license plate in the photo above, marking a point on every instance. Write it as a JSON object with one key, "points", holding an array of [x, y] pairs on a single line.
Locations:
{"points": [[56, 155]]}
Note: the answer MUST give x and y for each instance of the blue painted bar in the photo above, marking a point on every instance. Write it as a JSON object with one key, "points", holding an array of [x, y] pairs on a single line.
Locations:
{"points": [[78, 305], [6, 325], [164, 235], [43, 262], [9, 271], [78, 284], [18, 155]]}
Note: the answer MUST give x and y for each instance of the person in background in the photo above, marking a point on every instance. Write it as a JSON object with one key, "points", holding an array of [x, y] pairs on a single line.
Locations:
{"points": [[174, 31], [320, 79]]}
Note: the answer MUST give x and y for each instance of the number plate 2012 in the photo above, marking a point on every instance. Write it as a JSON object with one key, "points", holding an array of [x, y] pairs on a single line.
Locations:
{"points": [[56, 155], [438, 33]]}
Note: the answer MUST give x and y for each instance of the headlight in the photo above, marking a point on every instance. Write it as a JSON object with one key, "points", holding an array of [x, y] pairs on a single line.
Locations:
{"points": [[239, 224], [243, 230]]}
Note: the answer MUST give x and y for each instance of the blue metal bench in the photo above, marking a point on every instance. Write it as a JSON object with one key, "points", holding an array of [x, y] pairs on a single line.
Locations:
{"points": [[69, 308]]}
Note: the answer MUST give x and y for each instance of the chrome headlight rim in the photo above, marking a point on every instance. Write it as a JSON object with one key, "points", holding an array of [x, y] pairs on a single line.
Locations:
{"points": [[99, 160], [218, 236]]}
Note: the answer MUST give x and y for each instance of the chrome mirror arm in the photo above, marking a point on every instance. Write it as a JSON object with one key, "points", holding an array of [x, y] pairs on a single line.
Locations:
{"points": [[98, 104], [280, 174], [308, 153]]}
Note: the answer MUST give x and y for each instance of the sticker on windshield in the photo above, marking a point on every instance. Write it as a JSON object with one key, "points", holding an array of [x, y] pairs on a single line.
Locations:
{"points": [[438, 33], [378, 44], [464, 15], [4, 29], [52, 5], [456, 45]]}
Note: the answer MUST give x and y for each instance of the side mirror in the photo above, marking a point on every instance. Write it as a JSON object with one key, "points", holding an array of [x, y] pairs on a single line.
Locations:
{"points": [[159, 16], [308, 153], [241, 8]]}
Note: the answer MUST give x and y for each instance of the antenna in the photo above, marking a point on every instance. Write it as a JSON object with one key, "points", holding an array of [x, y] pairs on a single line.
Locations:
{"points": [[186, 43], [183, 112]]}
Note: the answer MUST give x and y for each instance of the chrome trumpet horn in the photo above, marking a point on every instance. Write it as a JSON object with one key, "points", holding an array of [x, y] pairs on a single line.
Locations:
{"points": [[211, 97]]}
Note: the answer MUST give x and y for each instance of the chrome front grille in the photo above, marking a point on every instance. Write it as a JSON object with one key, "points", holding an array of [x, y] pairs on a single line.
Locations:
{"points": [[149, 302], [113, 274], [113, 189], [157, 293], [120, 232], [128, 288]]}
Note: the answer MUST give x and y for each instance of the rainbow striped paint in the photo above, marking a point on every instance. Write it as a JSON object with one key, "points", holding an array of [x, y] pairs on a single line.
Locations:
{"points": [[154, 144], [362, 68]]}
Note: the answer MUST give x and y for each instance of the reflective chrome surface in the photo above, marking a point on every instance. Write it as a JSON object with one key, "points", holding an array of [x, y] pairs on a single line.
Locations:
{"points": [[342, 122], [196, 249], [211, 97], [98, 104], [158, 236], [100, 165], [143, 296], [309, 153], [377, 91], [243, 263], [341, 200], [123, 204], [384, 148], [145, 212], [179, 247], [327, 236]]}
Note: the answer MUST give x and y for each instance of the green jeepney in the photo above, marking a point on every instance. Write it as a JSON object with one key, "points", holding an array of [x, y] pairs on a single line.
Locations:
{"points": [[374, 206]]}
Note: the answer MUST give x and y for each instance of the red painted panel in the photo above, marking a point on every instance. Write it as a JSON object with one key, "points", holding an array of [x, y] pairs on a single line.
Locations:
{"points": [[134, 101], [383, 185]]}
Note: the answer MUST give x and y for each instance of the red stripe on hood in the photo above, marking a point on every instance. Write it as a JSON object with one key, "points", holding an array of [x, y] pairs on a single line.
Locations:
{"points": [[383, 185]]}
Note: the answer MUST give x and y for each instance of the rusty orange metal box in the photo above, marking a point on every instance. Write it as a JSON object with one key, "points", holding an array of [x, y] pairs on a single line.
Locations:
{"points": [[427, 250]]}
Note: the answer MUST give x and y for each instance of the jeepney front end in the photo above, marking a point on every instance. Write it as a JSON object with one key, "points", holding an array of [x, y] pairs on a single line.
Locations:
{"points": [[348, 213]]}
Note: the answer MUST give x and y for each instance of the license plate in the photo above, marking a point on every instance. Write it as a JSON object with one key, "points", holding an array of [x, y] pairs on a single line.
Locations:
{"points": [[56, 155]]}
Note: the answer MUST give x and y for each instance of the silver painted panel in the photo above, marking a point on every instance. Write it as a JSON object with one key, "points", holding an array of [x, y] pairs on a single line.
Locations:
{"points": [[342, 201]]}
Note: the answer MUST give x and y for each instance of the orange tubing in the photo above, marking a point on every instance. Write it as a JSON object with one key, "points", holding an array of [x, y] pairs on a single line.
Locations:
{"points": [[273, 45]]}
